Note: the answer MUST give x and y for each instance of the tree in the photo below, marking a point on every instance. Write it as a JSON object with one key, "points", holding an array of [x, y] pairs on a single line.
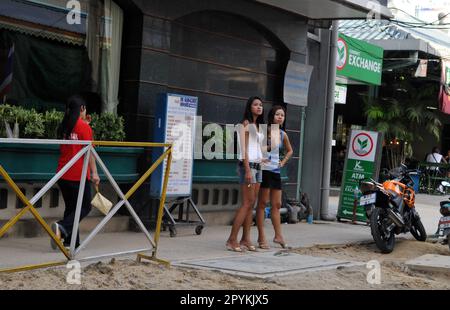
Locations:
{"points": [[403, 118]]}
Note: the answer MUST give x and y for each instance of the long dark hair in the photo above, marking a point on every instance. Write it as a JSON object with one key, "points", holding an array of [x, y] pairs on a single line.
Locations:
{"points": [[71, 116], [270, 121], [248, 115]]}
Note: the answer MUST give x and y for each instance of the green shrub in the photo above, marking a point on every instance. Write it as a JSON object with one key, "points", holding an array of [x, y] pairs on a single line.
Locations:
{"points": [[107, 127], [31, 123], [52, 120]]}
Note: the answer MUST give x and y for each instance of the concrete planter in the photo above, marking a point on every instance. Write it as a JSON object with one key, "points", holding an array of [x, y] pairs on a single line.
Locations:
{"points": [[33, 163], [220, 171]]}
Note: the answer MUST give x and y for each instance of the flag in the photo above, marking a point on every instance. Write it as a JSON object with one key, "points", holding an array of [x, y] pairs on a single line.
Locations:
{"points": [[6, 71], [444, 93]]}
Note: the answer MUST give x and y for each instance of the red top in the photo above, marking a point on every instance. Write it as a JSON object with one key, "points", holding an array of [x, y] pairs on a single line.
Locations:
{"points": [[81, 131]]}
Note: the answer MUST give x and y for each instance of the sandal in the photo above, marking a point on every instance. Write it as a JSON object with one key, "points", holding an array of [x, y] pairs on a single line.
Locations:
{"points": [[283, 244], [251, 248], [263, 245], [233, 249]]}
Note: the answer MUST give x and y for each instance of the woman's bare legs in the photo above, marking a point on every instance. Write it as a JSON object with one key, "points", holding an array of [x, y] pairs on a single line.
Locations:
{"points": [[275, 201], [246, 238], [248, 201], [263, 199]]}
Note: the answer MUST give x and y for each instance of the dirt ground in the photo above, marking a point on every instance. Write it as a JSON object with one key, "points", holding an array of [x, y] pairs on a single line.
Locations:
{"points": [[128, 274]]}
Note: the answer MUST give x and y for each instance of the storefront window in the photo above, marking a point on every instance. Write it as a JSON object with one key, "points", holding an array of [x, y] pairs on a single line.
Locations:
{"points": [[54, 59]]}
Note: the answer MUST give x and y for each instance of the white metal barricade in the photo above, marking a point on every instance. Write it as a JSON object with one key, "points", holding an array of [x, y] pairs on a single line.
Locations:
{"points": [[88, 150]]}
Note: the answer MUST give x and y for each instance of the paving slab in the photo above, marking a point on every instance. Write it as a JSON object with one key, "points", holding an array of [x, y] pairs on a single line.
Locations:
{"points": [[430, 262], [267, 264]]}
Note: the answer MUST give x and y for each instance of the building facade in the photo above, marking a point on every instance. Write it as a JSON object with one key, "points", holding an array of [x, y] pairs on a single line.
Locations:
{"points": [[221, 52]]}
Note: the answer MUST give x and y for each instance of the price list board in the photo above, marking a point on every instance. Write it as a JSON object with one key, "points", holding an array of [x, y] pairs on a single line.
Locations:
{"points": [[175, 123]]}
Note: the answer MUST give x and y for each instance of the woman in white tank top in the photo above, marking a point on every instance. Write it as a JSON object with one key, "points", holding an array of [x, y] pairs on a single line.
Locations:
{"points": [[250, 175]]}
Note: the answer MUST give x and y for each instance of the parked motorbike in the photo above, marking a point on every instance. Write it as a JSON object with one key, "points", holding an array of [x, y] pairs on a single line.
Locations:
{"points": [[390, 209], [444, 223]]}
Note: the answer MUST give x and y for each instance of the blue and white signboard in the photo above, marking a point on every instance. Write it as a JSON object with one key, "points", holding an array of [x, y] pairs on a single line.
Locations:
{"points": [[296, 83], [175, 123]]}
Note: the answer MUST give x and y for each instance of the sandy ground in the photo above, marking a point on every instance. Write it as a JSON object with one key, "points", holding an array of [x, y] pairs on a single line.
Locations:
{"points": [[128, 274]]}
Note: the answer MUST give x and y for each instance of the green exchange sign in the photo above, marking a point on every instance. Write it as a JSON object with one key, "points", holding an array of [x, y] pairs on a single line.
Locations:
{"points": [[359, 60]]}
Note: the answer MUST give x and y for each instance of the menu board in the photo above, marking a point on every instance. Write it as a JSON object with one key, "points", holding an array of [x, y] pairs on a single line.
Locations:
{"points": [[175, 123]]}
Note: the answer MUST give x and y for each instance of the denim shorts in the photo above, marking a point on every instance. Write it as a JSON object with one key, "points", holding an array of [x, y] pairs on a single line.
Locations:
{"points": [[256, 175]]}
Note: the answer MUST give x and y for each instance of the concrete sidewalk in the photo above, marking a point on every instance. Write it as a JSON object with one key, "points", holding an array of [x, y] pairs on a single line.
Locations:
{"points": [[186, 246], [210, 244]]}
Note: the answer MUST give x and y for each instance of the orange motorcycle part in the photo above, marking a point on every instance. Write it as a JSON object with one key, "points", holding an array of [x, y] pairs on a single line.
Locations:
{"points": [[395, 187], [401, 189]]}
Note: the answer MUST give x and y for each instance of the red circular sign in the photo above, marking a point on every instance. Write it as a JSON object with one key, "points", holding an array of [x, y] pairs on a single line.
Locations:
{"points": [[341, 62], [362, 153]]}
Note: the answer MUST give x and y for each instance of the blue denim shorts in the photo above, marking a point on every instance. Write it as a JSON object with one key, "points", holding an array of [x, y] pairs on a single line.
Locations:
{"points": [[256, 175]]}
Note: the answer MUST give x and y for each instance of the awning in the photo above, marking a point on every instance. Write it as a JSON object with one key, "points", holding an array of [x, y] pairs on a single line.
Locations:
{"points": [[392, 37], [331, 9], [406, 35], [41, 20]]}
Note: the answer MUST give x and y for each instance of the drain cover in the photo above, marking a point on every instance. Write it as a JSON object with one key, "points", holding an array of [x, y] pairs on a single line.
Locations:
{"points": [[269, 264]]}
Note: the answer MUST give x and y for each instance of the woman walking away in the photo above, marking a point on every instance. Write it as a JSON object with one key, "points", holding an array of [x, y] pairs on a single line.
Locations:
{"points": [[73, 127], [271, 183], [249, 170]]}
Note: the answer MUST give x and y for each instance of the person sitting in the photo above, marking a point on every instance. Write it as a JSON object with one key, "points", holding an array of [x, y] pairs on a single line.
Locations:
{"points": [[435, 157]]}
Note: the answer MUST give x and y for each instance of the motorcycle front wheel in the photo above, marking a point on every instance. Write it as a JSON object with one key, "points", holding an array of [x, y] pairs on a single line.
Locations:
{"points": [[378, 224], [418, 231]]}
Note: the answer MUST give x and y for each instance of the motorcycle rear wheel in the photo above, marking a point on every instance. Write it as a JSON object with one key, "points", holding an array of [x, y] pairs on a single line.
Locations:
{"points": [[418, 231], [377, 219]]}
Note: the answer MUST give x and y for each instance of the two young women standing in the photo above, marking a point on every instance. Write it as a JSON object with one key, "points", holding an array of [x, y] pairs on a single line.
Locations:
{"points": [[256, 171]]}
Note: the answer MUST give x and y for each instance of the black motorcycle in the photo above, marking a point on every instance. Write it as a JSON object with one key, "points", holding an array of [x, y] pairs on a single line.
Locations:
{"points": [[390, 209]]}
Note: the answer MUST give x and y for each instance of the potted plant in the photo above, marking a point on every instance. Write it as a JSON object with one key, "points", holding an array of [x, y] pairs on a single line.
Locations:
{"points": [[37, 163]]}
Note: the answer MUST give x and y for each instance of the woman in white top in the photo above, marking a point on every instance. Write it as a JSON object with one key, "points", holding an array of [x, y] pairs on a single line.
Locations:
{"points": [[250, 175], [435, 158]]}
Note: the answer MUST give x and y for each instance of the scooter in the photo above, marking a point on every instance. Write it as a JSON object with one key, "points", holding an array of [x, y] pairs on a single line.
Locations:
{"points": [[444, 223]]}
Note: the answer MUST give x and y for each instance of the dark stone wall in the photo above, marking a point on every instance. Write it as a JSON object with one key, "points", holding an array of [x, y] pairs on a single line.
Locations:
{"points": [[221, 51]]}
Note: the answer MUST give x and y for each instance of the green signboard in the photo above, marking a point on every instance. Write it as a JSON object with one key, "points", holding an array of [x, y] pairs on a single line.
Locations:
{"points": [[362, 162], [359, 60]]}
